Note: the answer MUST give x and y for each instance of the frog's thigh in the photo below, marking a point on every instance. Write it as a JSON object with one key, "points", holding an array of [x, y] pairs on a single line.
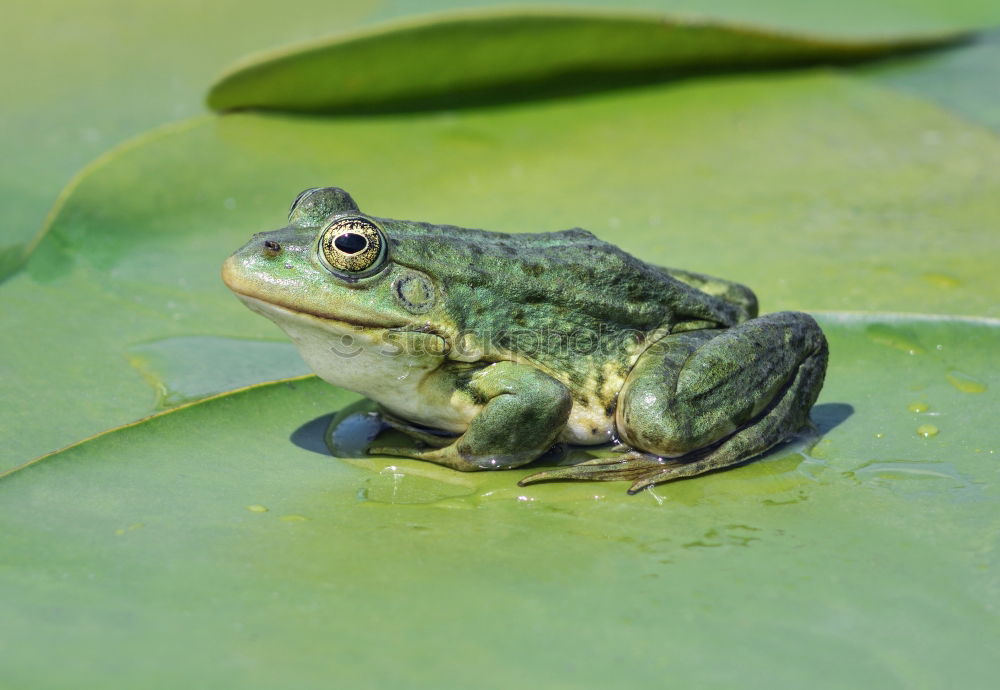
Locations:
{"points": [[691, 390]]}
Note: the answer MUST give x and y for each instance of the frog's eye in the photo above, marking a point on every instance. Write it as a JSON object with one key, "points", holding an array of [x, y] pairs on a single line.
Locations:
{"points": [[354, 246]]}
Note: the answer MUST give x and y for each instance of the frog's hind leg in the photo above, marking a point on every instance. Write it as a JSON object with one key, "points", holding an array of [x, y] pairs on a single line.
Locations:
{"points": [[704, 400], [630, 466]]}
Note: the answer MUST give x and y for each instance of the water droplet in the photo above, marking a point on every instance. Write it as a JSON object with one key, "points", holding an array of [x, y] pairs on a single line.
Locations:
{"points": [[895, 338], [905, 469], [294, 518], [122, 530], [918, 407], [942, 280], [406, 373], [770, 502], [417, 485], [257, 508], [927, 430], [964, 382]]}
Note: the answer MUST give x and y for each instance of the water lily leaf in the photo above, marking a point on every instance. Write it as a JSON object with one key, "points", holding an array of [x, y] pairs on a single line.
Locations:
{"points": [[963, 79], [90, 75], [219, 535], [186, 368], [818, 191], [489, 57]]}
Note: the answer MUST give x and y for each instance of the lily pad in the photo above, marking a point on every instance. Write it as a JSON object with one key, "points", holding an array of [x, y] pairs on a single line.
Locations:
{"points": [[498, 57], [963, 79], [91, 75], [219, 535], [819, 191], [84, 77]]}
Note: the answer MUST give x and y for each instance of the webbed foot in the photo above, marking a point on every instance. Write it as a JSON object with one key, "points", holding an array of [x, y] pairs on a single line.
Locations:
{"points": [[642, 469]]}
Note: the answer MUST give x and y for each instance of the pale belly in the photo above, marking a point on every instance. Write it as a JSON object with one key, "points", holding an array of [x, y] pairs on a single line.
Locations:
{"points": [[361, 360], [588, 425]]}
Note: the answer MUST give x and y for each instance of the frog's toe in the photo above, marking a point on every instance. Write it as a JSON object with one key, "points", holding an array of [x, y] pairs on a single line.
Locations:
{"points": [[628, 467], [642, 469], [416, 451], [667, 472]]}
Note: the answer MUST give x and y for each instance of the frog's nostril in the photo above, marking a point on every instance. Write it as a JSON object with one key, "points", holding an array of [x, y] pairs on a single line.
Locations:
{"points": [[271, 248]]}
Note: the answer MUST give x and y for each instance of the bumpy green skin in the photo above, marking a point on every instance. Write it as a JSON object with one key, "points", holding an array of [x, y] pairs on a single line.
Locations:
{"points": [[511, 343]]}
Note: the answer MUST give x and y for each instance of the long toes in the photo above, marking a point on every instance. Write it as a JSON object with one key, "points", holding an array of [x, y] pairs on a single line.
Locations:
{"points": [[598, 470], [669, 472], [394, 451]]}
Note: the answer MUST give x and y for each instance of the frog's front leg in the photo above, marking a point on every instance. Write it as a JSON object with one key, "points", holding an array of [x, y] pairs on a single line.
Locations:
{"points": [[704, 400], [523, 411]]}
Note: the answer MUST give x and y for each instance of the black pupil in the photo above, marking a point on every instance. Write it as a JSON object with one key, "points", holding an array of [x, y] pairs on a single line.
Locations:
{"points": [[350, 242]]}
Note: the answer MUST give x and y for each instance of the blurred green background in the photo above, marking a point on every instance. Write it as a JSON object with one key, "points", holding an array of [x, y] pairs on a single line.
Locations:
{"points": [[839, 158]]}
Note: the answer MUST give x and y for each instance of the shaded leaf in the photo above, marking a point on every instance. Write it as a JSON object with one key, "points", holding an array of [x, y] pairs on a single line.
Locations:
{"points": [[963, 79], [442, 61]]}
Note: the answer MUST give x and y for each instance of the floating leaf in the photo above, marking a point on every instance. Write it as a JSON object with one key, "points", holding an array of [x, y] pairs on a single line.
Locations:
{"points": [[818, 191], [963, 79], [217, 534], [446, 61], [90, 75], [186, 368]]}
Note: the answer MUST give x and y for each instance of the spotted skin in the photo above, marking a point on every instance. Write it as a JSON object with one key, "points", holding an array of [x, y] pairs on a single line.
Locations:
{"points": [[491, 347]]}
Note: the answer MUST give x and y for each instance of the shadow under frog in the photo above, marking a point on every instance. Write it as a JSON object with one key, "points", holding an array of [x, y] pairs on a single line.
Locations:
{"points": [[350, 432], [489, 349]]}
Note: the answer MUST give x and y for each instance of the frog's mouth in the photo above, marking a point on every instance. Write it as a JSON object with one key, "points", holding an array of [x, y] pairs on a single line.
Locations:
{"points": [[256, 295], [280, 313]]}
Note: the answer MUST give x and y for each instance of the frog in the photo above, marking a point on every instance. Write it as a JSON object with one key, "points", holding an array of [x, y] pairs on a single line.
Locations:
{"points": [[489, 349]]}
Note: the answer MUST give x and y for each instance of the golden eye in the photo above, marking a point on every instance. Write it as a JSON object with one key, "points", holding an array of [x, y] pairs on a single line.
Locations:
{"points": [[352, 245]]}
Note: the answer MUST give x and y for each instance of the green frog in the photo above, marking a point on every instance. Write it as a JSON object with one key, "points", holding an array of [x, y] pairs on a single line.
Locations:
{"points": [[489, 349]]}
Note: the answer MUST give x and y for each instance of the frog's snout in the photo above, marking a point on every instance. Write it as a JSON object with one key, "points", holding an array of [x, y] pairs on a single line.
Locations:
{"points": [[244, 267]]}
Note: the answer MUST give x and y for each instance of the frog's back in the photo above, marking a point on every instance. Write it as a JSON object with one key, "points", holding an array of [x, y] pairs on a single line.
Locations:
{"points": [[556, 292], [569, 274]]}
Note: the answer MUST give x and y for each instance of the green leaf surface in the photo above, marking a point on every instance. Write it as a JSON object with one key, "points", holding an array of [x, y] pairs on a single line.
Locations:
{"points": [[82, 77], [869, 18], [964, 79], [86, 76], [819, 191], [472, 58], [220, 536]]}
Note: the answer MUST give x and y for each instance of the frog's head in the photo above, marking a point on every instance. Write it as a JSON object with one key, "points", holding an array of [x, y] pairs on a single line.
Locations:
{"points": [[331, 264]]}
